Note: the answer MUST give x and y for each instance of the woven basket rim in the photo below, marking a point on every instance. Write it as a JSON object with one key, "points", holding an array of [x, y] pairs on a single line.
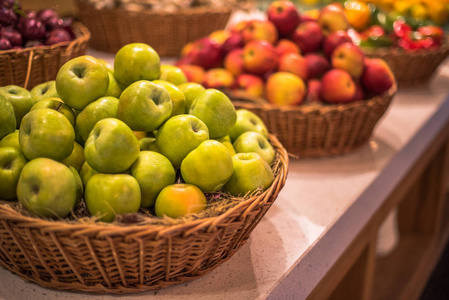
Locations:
{"points": [[81, 32], [317, 108], [443, 50], [9, 213], [185, 11]]}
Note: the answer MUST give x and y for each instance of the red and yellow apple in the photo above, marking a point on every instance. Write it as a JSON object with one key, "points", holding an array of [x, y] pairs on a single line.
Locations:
{"points": [[286, 46], [332, 18], [259, 57], [295, 64], [251, 84], [377, 77], [284, 15], [233, 62], [193, 73], [218, 78], [337, 86], [317, 64], [349, 57], [308, 36], [257, 30], [334, 39], [283, 88]]}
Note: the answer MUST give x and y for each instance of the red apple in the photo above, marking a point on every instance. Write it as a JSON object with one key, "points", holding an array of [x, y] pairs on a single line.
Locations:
{"points": [[316, 64], [234, 41], [260, 30], [286, 46], [295, 64], [308, 36], [313, 90], [205, 53], [284, 88], [251, 84], [218, 78], [333, 40], [193, 73], [349, 57], [284, 15], [359, 92], [239, 26], [332, 18], [377, 77], [233, 62], [259, 57], [337, 86], [220, 36]]}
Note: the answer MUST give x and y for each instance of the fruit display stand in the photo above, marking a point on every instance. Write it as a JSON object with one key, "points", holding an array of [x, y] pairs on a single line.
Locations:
{"points": [[319, 238]]}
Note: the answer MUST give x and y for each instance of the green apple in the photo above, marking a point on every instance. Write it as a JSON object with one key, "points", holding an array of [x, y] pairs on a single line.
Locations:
{"points": [[59, 106], [144, 106], [177, 97], [114, 89], [46, 133], [86, 173], [44, 90], [47, 188], [153, 172], [11, 140], [172, 74], [252, 141], [251, 172], [247, 121], [79, 186], [148, 144], [191, 90], [209, 166], [76, 158], [226, 140], [102, 108], [108, 195], [215, 109], [136, 61], [178, 200], [107, 65], [12, 162], [180, 135], [111, 146], [7, 118], [82, 80], [20, 99]]}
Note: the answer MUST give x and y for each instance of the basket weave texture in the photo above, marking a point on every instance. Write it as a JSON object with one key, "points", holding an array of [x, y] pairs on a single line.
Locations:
{"points": [[414, 67], [316, 130], [167, 33], [29, 67], [128, 258]]}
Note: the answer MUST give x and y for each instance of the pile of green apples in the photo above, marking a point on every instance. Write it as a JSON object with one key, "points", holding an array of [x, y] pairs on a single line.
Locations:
{"points": [[124, 137]]}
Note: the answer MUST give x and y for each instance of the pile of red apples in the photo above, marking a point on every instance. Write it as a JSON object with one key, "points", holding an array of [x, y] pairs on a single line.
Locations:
{"points": [[288, 58]]}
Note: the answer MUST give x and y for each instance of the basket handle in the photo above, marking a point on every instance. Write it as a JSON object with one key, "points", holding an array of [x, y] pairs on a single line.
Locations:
{"points": [[30, 63]]}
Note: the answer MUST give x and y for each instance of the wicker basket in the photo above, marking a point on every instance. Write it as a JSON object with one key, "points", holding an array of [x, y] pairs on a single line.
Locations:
{"points": [[31, 66], [125, 258], [315, 130], [411, 68], [167, 33]]}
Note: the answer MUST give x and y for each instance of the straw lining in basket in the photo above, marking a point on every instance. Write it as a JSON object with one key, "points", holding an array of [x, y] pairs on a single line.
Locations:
{"points": [[413, 67], [166, 32], [29, 67], [128, 258], [315, 130]]}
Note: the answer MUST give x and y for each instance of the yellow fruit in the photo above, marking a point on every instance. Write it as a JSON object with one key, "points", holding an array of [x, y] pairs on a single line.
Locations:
{"points": [[358, 14], [438, 11], [419, 11]]}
